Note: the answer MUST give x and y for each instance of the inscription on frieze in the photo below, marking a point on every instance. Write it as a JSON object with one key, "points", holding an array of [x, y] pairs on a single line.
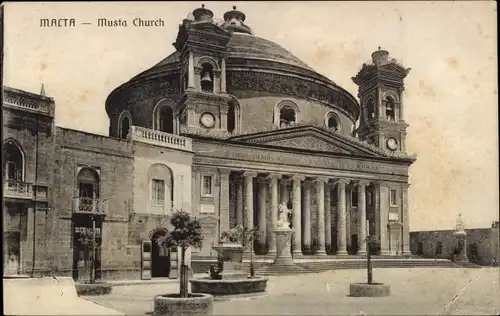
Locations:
{"points": [[305, 160]]}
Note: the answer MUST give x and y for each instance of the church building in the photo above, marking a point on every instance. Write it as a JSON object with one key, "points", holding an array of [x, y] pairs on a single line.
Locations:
{"points": [[227, 127]]}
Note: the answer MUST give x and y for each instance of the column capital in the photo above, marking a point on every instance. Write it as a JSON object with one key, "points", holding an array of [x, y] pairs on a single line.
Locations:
{"points": [[405, 185], [262, 180], [361, 182], [321, 179], [342, 181], [298, 177], [251, 174], [225, 171], [274, 175]]}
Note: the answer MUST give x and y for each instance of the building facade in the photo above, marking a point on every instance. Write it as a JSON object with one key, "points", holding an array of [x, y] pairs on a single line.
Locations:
{"points": [[227, 127]]}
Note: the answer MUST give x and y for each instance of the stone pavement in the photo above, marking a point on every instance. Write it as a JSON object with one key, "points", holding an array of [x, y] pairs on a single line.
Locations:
{"points": [[416, 291]]}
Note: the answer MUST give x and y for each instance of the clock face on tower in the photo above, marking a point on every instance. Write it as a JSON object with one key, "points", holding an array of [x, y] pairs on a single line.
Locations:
{"points": [[392, 143], [207, 120]]}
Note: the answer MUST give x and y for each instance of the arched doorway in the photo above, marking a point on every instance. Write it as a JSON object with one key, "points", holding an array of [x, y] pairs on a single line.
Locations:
{"points": [[160, 256]]}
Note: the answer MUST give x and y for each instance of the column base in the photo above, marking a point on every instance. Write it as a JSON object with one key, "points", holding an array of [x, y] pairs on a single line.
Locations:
{"points": [[341, 253], [362, 253], [320, 253], [297, 254], [385, 252]]}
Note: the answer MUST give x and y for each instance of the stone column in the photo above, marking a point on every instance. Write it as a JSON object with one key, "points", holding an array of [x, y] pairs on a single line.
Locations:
{"points": [[406, 221], [249, 197], [223, 75], [362, 217], [384, 218], [274, 212], [328, 217], [262, 212], [341, 226], [284, 191], [191, 83], [296, 215], [224, 202], [400, 105], [320, 201], [239, 202], [307, 215]]}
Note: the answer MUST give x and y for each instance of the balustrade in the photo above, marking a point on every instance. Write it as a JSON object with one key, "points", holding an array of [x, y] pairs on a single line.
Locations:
{"points": [[90, 206], [160, 138], [15, 189]]}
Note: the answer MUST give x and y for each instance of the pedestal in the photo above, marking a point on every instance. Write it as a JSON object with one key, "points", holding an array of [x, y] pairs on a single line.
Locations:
{"points": [[283, 245], [461, 237], [232, 255]]}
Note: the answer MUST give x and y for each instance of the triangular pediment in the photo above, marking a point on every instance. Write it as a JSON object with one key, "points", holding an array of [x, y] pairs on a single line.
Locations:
{"points": [[308, 138]]}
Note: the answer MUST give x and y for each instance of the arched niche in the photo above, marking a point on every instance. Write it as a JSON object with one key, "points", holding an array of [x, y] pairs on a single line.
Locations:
{"points": [[124, 124], [14, 161], [164, 118], [286, 113], [332, 121], [161, 189]]}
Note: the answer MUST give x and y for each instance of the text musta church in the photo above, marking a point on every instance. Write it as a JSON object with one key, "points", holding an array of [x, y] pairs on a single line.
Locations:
{"points": [[227, 127]]}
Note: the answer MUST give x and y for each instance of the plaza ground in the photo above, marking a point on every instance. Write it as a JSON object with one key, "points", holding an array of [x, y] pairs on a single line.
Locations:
{"points": [[416, 291]]}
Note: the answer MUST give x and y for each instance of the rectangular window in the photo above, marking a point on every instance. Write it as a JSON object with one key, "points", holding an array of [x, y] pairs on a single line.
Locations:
{"points": [[394, 198], [354, 198], [207, 185], [158, 192]]}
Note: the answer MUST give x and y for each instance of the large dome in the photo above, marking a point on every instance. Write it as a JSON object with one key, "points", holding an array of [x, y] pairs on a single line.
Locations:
{"points": [[245, 53], [242, 46]]}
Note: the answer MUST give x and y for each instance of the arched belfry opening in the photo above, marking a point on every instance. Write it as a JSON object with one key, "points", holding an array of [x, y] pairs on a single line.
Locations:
{"points": [[207, 78], [370, 109], [231, 118], [390, 109]]}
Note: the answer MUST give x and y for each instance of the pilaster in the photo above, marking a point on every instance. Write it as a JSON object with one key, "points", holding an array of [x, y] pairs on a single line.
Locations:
{"points": [[224, 202]]}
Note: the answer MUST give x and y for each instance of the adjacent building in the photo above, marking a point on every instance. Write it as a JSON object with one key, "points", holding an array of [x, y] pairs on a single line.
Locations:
{"points": [[227, 127], [482, 244]]}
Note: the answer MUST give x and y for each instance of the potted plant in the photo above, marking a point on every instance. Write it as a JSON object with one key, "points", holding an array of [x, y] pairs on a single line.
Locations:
{"points": [[186, 232], [369, 289], [88, 240]]}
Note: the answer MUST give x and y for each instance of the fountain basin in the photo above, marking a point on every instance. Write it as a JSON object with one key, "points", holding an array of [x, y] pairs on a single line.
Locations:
{"points": [[230, 286]]}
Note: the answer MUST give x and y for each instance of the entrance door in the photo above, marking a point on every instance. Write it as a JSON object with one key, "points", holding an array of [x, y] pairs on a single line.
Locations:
{"points": [[12, 261], [354, 245], [160, 261]]}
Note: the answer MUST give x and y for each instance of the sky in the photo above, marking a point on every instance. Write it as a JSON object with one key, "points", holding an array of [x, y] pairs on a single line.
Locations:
{"points": [[450, 100]]}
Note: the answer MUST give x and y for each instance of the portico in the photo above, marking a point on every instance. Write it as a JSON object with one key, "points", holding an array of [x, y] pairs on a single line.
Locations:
{"points": [[334, 201]]}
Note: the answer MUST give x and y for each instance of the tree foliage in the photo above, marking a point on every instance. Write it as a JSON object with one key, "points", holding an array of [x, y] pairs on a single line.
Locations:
{"points": [[187, 232]]}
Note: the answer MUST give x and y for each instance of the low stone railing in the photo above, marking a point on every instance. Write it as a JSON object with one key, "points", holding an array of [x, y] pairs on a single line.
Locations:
{"points": [[163, 139], [15, 189]]}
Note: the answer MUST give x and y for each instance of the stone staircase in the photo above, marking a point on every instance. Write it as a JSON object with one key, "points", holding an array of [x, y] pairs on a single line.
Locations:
{"points": [[264, 266], [267, 269]]}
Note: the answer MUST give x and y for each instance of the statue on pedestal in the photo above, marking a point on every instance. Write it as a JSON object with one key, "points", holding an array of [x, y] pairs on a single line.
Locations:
{"points": [[283, 222]]}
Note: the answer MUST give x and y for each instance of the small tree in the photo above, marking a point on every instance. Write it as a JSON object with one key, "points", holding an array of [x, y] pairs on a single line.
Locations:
{"points": [[88, 240], [187, 233], [249, 235], [370, 240]]}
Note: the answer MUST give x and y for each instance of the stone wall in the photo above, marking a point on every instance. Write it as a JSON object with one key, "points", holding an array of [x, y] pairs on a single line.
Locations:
{"points": [[485, 240], [257, 111]]}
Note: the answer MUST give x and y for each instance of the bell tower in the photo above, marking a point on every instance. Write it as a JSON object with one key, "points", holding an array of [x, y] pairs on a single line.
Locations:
{"points": [[381, 86], [202, 47]]}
